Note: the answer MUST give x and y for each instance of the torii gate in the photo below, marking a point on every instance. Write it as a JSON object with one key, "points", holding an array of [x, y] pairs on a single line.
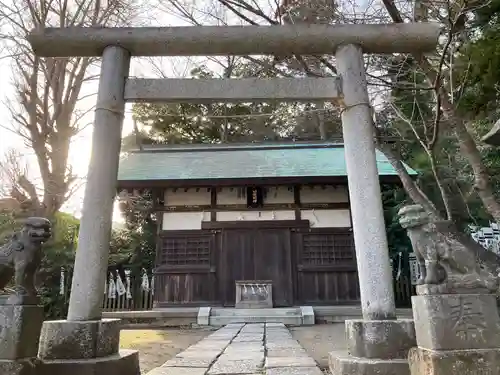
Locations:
{"points": [[349, 90]]}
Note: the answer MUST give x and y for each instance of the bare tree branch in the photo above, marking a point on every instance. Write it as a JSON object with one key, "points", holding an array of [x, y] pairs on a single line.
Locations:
{"points": [[48, 89]]}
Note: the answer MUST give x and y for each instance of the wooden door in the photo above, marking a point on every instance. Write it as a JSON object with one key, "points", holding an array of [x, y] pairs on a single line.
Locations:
{"points": [[236, 261], [256, 254], [272, 261]]}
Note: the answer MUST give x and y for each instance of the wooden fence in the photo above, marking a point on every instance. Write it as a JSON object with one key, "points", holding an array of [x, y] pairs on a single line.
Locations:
{"points": [[123, 290], [127, 292], [405, 273]]}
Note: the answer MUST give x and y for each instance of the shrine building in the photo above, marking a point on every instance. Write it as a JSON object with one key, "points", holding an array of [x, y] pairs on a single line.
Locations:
{"points": [[274, 213]]}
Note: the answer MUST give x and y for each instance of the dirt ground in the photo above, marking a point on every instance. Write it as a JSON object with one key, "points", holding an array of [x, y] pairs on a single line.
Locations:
{"points": [[319, 340], [158, 346]]}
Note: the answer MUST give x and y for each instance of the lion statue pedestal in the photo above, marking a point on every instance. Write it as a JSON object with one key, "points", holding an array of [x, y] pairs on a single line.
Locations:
{"points": [[455, 311], [20, 316]]}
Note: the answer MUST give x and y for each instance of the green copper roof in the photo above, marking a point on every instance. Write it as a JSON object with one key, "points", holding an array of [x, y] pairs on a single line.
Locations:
{"points": [[202, 162]]}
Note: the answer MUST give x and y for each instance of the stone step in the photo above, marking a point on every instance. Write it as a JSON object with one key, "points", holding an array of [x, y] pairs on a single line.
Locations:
{"points": [[292, 316], [291, 320], [342, 363], [284, 311]]}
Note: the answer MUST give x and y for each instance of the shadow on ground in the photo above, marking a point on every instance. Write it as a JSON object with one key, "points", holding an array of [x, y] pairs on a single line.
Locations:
{"points": [[319, 340], [156, 346]]}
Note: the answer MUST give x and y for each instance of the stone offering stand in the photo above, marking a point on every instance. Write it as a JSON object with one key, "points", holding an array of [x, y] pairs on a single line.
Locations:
{"points": [[254, 294], [348, 90]]}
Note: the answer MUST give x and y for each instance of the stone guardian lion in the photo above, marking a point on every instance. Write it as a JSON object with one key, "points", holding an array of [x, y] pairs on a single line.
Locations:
{"points": [[446, 264], [20, 258]]}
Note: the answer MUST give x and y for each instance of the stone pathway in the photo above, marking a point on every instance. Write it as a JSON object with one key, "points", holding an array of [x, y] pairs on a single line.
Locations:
{"points": [[243, 349]]}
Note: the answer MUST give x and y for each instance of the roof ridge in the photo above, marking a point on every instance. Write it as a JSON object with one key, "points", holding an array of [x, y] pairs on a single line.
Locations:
{"points": [[236, 146]]}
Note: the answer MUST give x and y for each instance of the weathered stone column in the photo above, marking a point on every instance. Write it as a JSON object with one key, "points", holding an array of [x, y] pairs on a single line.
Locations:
{"points": [[91, 261], [84, 343], [379, 343], [372, 254]]}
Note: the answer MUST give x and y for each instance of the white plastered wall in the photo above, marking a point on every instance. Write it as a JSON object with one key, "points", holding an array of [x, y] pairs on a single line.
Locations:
{"points": [[324, 194], [327, 218], [318, 218], [187, 197], [255, 215], [184, 220]]}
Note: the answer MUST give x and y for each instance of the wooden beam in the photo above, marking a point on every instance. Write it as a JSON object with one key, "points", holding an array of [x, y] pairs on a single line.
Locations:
{"points": [[243, 207], [296, 201], [278, 40], [234, 182], [171, 90], [213, 204], [255, 224]]}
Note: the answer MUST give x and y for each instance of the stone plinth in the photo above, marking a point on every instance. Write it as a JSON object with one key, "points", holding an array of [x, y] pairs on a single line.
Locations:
{"points": [[375, 347], [463, 362], [456, 333], [19, 333], [84, 348], [254, 294]]}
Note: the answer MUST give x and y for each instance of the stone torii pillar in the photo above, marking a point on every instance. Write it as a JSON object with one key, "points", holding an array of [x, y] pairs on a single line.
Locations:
{"points": [[379, 343]]}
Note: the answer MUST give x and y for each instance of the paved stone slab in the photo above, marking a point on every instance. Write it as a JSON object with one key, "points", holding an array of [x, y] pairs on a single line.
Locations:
{"points": [[238, 356], [293, 371], [245, 354], [289, 362], [256, 338], [227, 330], [178, 371], [241, 348], [275, 325], [235, 367], [202, 354], [283, 345], [211, 345], [189, 362], [251, 333], [244, 345], [287, 352]]}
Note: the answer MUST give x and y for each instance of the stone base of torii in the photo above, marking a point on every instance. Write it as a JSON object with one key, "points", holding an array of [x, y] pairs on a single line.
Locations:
{"points": [[85, 343]]}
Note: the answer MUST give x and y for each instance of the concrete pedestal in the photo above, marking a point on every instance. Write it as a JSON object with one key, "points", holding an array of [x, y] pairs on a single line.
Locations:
{"points": [[375, 347], [456, 333], [84, 348]]}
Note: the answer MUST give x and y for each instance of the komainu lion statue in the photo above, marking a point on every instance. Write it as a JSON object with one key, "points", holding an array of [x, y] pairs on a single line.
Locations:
{"points": [[448, 262], [20, 258]]}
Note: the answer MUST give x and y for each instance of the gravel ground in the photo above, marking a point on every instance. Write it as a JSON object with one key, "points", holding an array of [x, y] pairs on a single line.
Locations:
{"points": [[319, 340]]}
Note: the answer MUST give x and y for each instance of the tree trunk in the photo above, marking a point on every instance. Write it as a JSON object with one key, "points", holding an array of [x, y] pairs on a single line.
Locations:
{"points": [[320, 114]]}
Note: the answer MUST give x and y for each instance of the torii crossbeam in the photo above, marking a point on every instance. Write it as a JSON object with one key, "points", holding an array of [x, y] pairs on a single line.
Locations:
{"points": [[235, 40]]}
